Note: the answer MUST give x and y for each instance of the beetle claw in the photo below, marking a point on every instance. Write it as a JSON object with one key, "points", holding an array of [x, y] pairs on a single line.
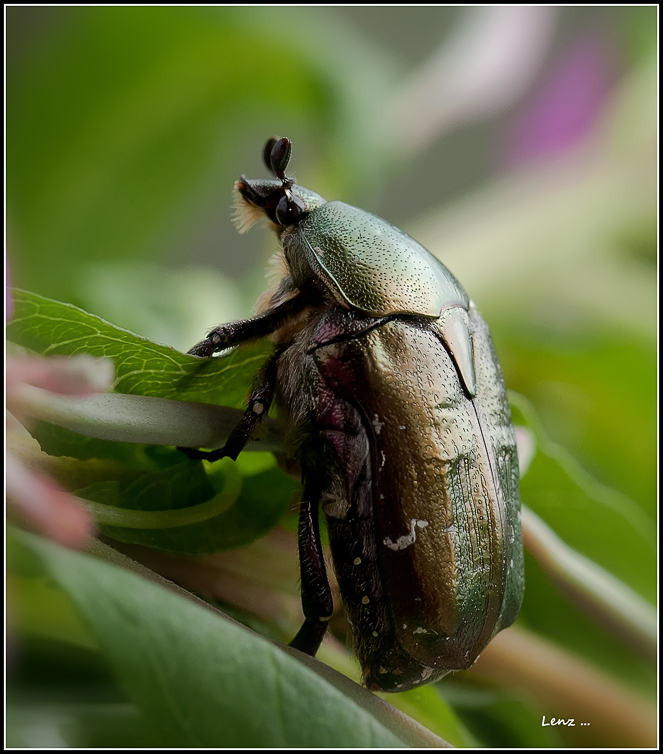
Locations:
{"points": [[202, 349]]}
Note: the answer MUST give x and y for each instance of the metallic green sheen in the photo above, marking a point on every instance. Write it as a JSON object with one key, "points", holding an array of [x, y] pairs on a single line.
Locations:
{"points": [[445, 500], [373, 266], [311, 199]]}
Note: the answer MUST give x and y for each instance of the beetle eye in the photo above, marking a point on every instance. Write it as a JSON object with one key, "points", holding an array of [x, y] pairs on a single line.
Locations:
{"points": [[290, 209]]}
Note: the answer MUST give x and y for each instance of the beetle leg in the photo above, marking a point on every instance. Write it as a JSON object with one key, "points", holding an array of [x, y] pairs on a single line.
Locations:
{"points": [[233, 333], [316, 593], [259, 405]]}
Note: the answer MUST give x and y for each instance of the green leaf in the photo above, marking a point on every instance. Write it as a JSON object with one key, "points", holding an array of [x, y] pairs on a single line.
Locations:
{"points": [[142, 367], [45, 610], [430, 708], [164, 481], [595, 394], [218, 523], [602, 524], [208, 682], [58, 441], [503, 718], [81, 426]]}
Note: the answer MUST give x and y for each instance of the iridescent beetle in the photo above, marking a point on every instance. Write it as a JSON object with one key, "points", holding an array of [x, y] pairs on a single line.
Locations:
{"points": [[398, 414]]}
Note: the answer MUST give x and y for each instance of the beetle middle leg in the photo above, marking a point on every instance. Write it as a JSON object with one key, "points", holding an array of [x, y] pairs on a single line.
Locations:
{"points": [[260, 401], [316, 593]]}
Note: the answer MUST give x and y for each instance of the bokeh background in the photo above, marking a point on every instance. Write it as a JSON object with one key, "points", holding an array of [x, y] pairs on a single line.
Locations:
{"points": [[518, 144]]}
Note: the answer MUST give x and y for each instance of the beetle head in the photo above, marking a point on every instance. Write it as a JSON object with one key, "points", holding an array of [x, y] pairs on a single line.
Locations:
{"points": [[283, 202]]}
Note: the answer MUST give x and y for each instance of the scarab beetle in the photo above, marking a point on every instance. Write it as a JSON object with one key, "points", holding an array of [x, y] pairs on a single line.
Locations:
{"points": [[398, 414]]}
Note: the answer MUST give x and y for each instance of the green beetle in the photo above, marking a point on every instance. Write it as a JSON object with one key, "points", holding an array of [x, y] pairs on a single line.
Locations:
{"points": [[398, 414]]}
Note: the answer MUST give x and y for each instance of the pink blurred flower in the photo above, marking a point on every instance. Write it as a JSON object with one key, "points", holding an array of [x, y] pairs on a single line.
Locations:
{"points": [[567, 106], [33, 499], [9, 301]]}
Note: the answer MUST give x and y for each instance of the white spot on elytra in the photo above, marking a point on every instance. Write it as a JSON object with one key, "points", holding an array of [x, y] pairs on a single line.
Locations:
{"points": [[420, 630], [377, 424], [384, 459], [258, 408], [400, 426], [408, 539], [365, 600], [426, 673], [375, 633], [357, 561]]}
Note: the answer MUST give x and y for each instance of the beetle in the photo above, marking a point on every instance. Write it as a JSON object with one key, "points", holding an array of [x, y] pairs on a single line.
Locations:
{"points": [[397, 411]]}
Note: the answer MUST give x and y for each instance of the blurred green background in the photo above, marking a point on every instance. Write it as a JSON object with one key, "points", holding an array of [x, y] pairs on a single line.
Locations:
{"points": [[517, 144]]}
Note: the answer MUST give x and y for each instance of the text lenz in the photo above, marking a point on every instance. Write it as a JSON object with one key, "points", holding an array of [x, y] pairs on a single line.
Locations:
{"points": [[559, 721]]}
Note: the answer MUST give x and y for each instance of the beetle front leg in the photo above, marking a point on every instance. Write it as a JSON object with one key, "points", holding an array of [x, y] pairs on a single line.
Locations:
{"points": [[259, 405], [233, 333], [316, 594]]}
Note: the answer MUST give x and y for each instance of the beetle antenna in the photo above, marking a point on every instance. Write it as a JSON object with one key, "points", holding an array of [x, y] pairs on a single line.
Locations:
{"points": [[267, 152], [276, 156]]}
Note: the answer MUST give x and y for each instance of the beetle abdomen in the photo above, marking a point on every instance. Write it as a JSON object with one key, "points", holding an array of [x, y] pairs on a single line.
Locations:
{"points": [[431, 511]]}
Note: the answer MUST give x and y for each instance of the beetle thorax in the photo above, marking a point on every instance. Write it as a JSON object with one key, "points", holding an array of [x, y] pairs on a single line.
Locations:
{"points": [[300, 270], [306, 272]]}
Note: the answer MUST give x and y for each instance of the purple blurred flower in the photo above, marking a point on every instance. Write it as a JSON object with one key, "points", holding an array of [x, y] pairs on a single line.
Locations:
{"points": [[568, 104]]}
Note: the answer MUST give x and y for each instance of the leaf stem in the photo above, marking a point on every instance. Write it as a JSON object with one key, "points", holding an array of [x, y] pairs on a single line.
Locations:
{"points": [[591, 588], [113, 515]]}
